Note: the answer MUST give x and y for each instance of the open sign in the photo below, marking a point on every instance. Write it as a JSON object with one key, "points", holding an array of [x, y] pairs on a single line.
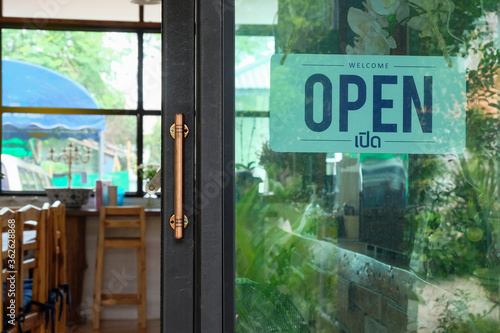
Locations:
{"points": [[376, 104]]}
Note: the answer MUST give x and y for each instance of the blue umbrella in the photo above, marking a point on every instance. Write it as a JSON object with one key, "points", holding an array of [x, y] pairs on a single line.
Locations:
{"points": [[30, 85], [26, 84]]}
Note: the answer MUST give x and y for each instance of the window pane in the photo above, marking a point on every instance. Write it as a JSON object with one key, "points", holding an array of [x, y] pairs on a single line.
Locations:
{"points": [[108, 10], [120, 155], [253, 54], [152, 143], [76, 69], [152, 72], [256, 11], [152, 139], [340, 239], [27, 140]]}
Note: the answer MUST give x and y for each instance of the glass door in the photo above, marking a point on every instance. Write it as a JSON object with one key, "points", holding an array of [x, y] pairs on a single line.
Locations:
{"points": [[366, 166]]}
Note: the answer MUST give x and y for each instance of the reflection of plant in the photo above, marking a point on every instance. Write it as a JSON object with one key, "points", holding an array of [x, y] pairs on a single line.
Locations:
{"points": [[375, 26], [270, 250], [456, 318], [263, 308], [147, 171], [432, 20], [290, 173], [456, 196], [302, 24], [456, 199]]}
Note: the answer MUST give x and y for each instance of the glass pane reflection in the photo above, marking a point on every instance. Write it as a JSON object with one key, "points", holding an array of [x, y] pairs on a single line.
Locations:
{"points": [[369, 242]]}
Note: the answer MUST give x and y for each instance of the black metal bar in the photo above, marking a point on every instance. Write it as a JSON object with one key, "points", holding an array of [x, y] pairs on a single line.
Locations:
{"points": [[228, 164], [178, 81], [141, 13], [214, 188], [140, 106], [51, 110], [83, 25]]}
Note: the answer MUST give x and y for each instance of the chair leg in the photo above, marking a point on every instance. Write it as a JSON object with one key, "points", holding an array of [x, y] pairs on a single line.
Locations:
{"points": [[141, 285], [96, 309]]}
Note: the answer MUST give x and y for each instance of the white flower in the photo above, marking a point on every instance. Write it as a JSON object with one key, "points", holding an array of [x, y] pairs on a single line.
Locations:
{"points": [[373, 39], [380, 19], [377, 43], [384, 7], [361, 22], [359, 48], [372, 43]]}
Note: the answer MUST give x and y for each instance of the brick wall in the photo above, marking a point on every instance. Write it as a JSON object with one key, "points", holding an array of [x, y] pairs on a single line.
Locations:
{"points": [[373, 297]]}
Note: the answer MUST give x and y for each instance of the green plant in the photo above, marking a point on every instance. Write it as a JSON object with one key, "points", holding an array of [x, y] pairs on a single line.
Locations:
{"points": [[263, 308], [276, 246], [456, 197], [456, 318], [148, 171]]}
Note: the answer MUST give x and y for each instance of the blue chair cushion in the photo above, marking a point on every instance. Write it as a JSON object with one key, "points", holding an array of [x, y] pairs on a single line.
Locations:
{"points": [[27, 297]]}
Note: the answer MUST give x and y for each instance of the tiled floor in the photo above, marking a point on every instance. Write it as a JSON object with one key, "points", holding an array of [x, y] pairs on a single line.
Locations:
{"points": [[123, 326]]}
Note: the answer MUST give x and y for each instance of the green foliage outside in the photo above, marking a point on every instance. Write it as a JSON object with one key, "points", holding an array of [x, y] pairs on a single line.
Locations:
{"points": [[456, 197], [269, 253], [456, 318], [83, 56], [152, 143]]}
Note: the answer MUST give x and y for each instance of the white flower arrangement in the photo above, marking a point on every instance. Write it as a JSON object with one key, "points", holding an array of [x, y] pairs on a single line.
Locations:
{"points": [[375, 25]]}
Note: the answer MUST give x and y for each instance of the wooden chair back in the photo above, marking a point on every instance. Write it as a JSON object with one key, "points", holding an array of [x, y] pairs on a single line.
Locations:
{"points": [[28, 218], [57, 257], [9, 269]]}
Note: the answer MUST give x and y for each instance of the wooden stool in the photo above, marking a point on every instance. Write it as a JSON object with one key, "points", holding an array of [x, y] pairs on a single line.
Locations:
{"points": [[121, 217]]}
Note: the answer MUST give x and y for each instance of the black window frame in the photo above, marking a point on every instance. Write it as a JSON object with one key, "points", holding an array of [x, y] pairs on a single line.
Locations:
{"points": [[140, 28]]}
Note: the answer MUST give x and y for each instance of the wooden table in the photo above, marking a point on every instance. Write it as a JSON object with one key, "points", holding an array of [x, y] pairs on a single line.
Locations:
{"points": [[76, 259]]}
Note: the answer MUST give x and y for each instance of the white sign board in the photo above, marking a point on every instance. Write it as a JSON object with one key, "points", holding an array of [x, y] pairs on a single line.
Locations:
{"points": [[367, 104]]}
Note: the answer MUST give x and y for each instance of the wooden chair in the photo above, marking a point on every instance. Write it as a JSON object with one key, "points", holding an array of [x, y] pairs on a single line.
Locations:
{"points": [[34, 311], [58, 283], [9, 268], [121, 217]]}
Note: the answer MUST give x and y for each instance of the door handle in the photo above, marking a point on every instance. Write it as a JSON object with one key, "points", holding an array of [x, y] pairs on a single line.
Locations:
{"points": [[179, 131]]}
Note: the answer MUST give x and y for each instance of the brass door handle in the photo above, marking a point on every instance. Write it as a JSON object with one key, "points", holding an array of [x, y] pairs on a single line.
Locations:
{"points": [[179, 131]]}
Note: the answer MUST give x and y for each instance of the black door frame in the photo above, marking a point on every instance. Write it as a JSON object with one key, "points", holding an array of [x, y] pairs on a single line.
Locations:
{"points": [[198, 80]]}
